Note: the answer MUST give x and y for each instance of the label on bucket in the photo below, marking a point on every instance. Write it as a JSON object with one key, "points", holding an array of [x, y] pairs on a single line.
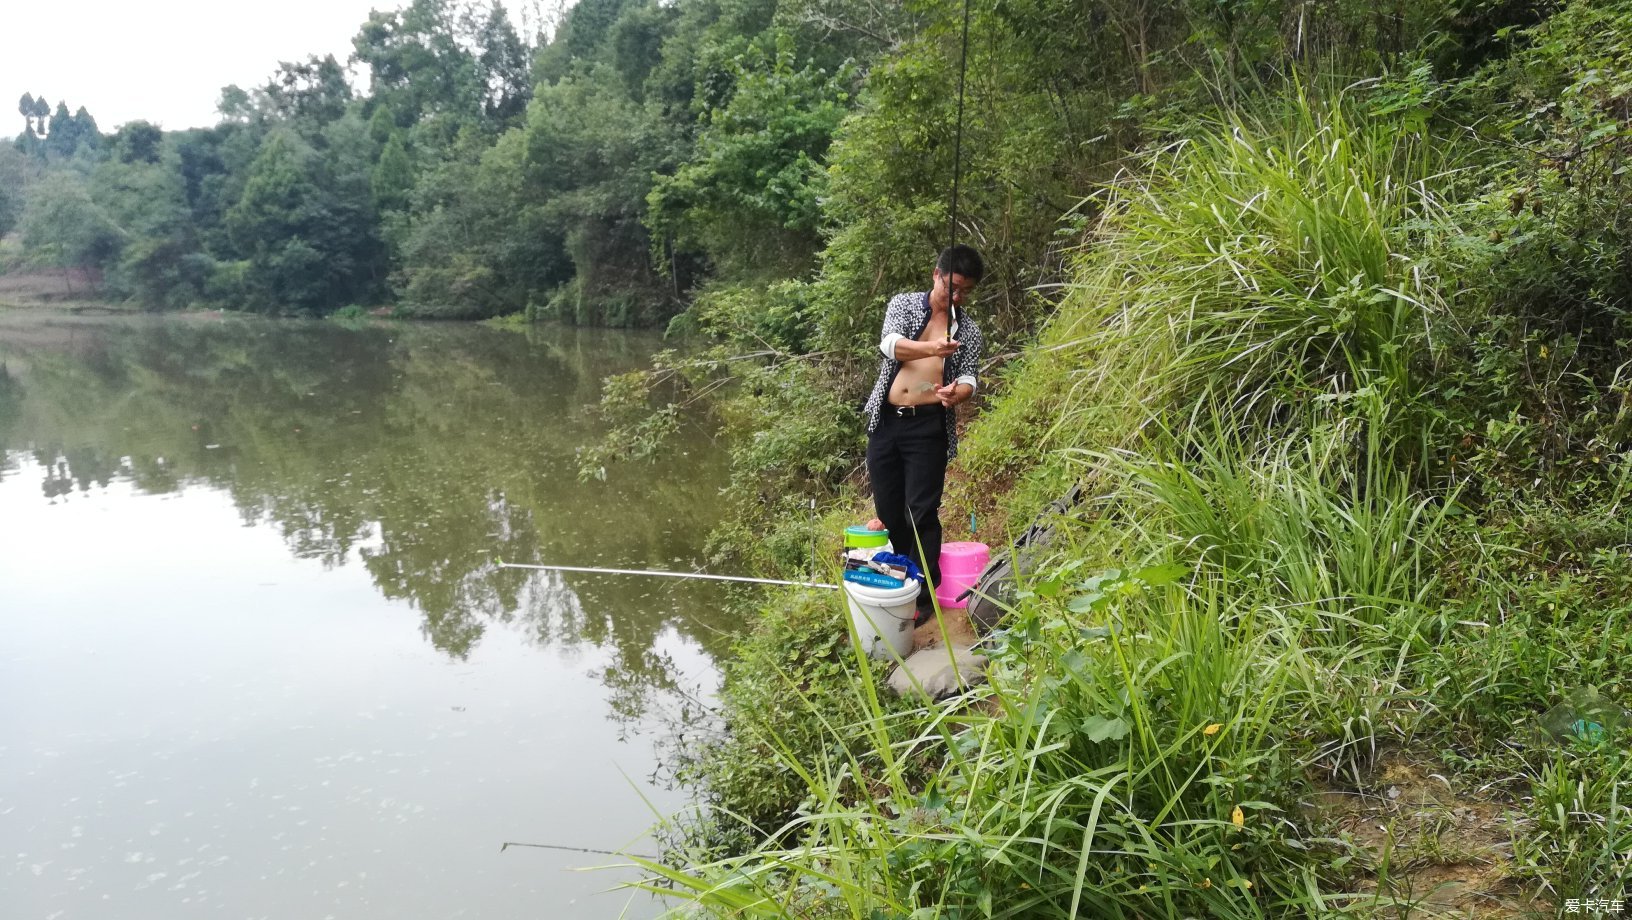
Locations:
{"points": [[872, 579]]}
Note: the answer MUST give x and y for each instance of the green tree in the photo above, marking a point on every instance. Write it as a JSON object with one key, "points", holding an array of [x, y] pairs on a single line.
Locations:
{"points": [[87, 134], [381, 125], [63, 136], [349, 159], [310, 94], [504, 64], [235, 104], [392, 181], [306, 245], [62, 225], [138, 142], [750, 196], [483, 241], [34, 112], [148, 202], [417, 64], [1049, 98], [15, 177], [591, 155], [25, 108], [42, 111], [579, 41], [213, 164], [634, 44]]}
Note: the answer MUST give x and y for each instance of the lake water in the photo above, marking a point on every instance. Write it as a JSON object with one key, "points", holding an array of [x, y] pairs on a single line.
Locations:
{"points": [[256, 658]]}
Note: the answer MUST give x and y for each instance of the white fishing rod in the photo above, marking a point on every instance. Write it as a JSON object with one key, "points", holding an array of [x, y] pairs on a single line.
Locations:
{"points": [[694, 575]]}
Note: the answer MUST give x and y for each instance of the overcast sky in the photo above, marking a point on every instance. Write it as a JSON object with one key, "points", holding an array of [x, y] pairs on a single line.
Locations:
{"points": [[166, 60]]}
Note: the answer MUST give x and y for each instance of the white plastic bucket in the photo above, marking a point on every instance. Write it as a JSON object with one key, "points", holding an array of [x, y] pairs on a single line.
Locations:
{"points": [[883, 617]]}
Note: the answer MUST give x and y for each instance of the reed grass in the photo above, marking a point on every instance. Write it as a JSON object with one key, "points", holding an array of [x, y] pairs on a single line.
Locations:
{"points": [[1252, 601]]}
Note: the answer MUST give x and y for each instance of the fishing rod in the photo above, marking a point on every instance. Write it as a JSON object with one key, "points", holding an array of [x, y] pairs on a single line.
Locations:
{"points": [[697, 575], [556, 846]]}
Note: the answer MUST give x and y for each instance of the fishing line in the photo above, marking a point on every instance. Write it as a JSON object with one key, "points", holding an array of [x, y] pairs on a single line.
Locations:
{"points": [[697, 575], [957, 154]]}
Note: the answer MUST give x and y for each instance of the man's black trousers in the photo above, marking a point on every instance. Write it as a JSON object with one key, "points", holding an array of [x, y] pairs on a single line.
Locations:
{"points": [[906, 461]]}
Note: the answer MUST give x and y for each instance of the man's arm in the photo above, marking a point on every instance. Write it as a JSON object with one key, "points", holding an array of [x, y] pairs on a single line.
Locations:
{"points": [[911, 350], [897, 342], [965, 364], [896, 326]]}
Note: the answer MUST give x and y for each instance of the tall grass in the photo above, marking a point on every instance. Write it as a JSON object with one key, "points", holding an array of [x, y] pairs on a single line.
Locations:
{"points": [[1251, 602], [1148, 730], [1275, 258], [1323, 530], [1278, 270], [1117, 770]]}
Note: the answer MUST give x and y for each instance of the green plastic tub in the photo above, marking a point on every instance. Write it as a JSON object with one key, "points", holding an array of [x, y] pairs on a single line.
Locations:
{"points": [[859, 537]]}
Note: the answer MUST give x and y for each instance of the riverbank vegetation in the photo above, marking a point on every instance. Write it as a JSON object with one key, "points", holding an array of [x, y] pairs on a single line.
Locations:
{"points": [[1339, 627]]}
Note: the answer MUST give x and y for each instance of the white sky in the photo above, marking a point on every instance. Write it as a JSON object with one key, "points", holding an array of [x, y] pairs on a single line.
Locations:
{"points": [[166, 60]]}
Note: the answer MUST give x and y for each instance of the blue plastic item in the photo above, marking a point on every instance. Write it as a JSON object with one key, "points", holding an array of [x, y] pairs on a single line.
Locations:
{"points": [[904, 562]]}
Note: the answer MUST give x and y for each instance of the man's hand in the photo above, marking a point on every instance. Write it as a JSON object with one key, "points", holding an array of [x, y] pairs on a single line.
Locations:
{"points": [[953, 394]]}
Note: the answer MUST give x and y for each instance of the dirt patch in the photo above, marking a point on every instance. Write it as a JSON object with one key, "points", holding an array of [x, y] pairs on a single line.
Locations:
{"points": [[1429, 848], [958, 629], [73, 289]]}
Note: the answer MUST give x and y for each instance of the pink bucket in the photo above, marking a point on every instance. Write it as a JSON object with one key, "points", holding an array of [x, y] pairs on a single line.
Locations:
{"points": [[961, 565]]}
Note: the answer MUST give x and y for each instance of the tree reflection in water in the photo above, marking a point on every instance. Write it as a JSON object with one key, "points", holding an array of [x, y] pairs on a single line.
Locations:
{"points": [[422, 453]]}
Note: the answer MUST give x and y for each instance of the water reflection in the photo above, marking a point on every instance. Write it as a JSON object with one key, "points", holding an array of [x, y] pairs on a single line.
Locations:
{"points": [[421, 453]]}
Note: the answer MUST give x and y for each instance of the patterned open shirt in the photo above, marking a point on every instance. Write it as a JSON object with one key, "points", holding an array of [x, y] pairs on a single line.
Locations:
{"points": [[905, 318]]}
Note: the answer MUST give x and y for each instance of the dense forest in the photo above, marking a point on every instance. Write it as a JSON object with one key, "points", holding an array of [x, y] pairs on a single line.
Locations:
{"points": [[454, 168]]}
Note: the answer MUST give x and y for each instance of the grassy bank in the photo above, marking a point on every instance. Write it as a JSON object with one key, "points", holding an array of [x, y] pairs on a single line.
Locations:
{"points": [[1341, 626], [67, 290]]}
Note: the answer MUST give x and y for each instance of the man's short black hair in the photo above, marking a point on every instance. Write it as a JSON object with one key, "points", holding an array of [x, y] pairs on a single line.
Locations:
{"points": [[961, 260]]}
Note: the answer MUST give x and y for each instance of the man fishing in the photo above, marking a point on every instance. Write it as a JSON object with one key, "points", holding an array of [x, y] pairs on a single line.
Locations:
{"points": [[931, 352]]}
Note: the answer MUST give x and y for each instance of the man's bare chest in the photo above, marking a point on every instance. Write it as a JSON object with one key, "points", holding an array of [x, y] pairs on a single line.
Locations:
{"points": [[935, 329]]}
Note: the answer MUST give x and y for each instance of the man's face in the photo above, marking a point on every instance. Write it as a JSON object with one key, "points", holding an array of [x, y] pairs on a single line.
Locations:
{"points": [[957, 286]]}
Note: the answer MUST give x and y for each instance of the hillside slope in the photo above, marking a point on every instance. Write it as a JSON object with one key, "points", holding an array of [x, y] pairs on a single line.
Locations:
{"points": [[1341, 627]]}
